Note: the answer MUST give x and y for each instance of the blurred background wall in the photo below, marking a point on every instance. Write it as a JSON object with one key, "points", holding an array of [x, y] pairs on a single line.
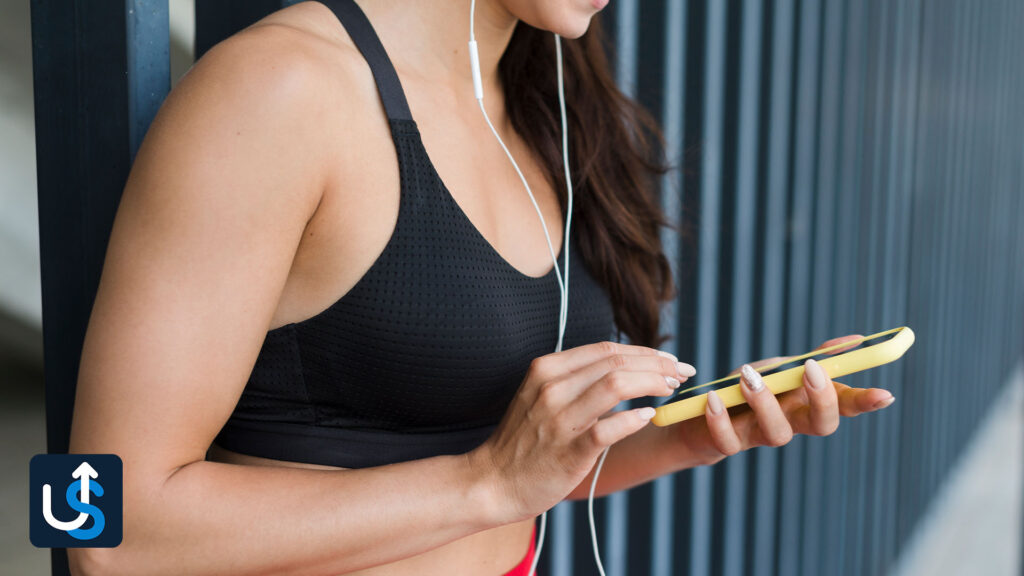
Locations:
{"points": [[848, 166], [20, 306], [844, 167]]}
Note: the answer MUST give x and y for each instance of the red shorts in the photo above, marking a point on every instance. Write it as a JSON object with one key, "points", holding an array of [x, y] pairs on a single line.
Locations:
{"points": [[523, 568]]}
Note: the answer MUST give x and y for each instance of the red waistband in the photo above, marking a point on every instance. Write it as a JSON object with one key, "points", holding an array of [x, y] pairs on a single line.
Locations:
{"points": [[523, 568]]}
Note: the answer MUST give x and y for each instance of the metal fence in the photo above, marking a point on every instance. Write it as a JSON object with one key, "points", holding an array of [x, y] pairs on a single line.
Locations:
{"points": [[851, 166]]}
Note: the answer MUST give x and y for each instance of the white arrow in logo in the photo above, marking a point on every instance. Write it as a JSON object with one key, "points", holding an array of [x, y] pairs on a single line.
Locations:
{"points": [[83, 473]]}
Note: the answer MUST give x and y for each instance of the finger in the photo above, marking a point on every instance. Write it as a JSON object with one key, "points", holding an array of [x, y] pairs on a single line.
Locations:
{"points": [[840, 340], [611, 389], [723, 435], [773, 424], [822, 413], [557, 364], [583, 379], [609, 430], [854, 401]]}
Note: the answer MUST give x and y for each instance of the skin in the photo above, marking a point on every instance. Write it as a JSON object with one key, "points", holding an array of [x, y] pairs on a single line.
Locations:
{"points": [[265, 188]]}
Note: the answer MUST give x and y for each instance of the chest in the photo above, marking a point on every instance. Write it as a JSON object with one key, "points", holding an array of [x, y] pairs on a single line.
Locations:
{"points": [[440, 333], [359, 207]]}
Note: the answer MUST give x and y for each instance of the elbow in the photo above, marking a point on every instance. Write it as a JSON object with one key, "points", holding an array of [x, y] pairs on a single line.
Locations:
{"points": [[88, 561], [99, 562]]}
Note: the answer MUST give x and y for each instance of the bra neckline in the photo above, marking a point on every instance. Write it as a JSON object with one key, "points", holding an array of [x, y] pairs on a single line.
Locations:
{"points": [[357, 25], [559, 247]]}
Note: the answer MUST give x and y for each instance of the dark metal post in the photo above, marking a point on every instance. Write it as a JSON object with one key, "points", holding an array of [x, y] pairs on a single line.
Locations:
{"points": [[100, 70]]}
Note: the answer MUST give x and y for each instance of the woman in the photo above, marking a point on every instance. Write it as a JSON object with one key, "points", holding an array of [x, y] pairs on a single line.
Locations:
{"points": [[320, 349]]}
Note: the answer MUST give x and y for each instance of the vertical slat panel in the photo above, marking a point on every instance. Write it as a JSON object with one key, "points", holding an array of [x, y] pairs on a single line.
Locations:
{"points": [[737, 496], [844, 317], [148, 52], [798, 478], [921, 268], [708, 261], [947, 244], [822, 506], [663, 515], [872, 285], [900, 188], [770, 274], [904, 183]]}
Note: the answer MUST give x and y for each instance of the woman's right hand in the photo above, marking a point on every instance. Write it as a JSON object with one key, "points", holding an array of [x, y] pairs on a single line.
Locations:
{"points": [[555, 427]]}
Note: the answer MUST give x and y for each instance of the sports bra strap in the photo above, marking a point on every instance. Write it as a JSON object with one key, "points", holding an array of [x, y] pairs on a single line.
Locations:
{"points": [[365, 37]]}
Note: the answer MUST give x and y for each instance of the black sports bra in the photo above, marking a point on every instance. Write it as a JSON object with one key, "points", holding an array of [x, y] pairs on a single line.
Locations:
{"points": [[424, 354]]}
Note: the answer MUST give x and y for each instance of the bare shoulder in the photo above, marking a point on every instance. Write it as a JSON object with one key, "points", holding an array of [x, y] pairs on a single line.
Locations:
{"points": [[286, 80], [307, 33], [272, 89], [291, 63], [300, 53]]}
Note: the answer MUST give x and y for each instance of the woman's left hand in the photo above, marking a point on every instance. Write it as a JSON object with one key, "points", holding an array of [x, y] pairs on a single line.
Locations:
{"points": [[769, 420]]}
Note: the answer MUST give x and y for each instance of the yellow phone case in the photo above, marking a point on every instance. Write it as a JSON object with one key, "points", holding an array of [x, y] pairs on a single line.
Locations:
{"points": [[791, 379]]}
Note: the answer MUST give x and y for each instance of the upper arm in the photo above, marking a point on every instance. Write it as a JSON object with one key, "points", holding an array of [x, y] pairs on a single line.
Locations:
{"points": [[208, 224]]}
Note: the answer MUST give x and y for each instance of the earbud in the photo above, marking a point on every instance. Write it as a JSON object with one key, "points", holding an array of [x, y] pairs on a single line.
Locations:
{"points": [[563, 281], [474, 62]]}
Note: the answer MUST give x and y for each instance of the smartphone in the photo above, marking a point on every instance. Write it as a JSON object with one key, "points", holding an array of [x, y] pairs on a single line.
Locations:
{"points": [[885, 347]]}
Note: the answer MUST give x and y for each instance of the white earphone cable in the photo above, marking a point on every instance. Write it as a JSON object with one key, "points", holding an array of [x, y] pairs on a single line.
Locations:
{"points": [[563, 281], [590, 511], [568, 178]]}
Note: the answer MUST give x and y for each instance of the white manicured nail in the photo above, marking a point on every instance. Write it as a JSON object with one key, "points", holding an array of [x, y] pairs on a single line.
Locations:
{"points": [[715, 402], [751, 378], [645, 413], [685, 370], [815, 375], [884, 403], [672, 382], [671, 357]]}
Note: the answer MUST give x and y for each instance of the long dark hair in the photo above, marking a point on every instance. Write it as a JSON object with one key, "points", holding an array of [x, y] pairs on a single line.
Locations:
{"points": [[615, 154]]}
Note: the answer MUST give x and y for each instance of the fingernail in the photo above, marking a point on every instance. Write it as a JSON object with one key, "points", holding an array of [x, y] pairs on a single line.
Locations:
{"points": [[685, 370], [751, 378], [715, 402], [672, 382], [645, 413], [884, 403], [815, 375], [671, 357]]}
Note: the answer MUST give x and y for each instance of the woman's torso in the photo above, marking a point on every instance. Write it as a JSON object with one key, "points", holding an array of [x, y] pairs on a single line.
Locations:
{"points": [[359, 208]]}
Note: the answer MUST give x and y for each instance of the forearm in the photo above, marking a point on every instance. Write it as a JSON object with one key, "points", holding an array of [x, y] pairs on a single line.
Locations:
{"points": [[217, 518], [650, 453]]}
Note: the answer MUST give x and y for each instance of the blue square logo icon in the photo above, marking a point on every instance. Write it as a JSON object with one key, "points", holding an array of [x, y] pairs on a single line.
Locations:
{"points": [[76, 500]]}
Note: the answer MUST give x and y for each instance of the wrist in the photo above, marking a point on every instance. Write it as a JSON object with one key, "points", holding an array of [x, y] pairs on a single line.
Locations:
{"points": [[486, 490]]}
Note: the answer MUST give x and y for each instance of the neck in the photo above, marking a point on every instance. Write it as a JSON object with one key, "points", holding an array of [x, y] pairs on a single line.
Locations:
{"points": [[432, 37]]}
